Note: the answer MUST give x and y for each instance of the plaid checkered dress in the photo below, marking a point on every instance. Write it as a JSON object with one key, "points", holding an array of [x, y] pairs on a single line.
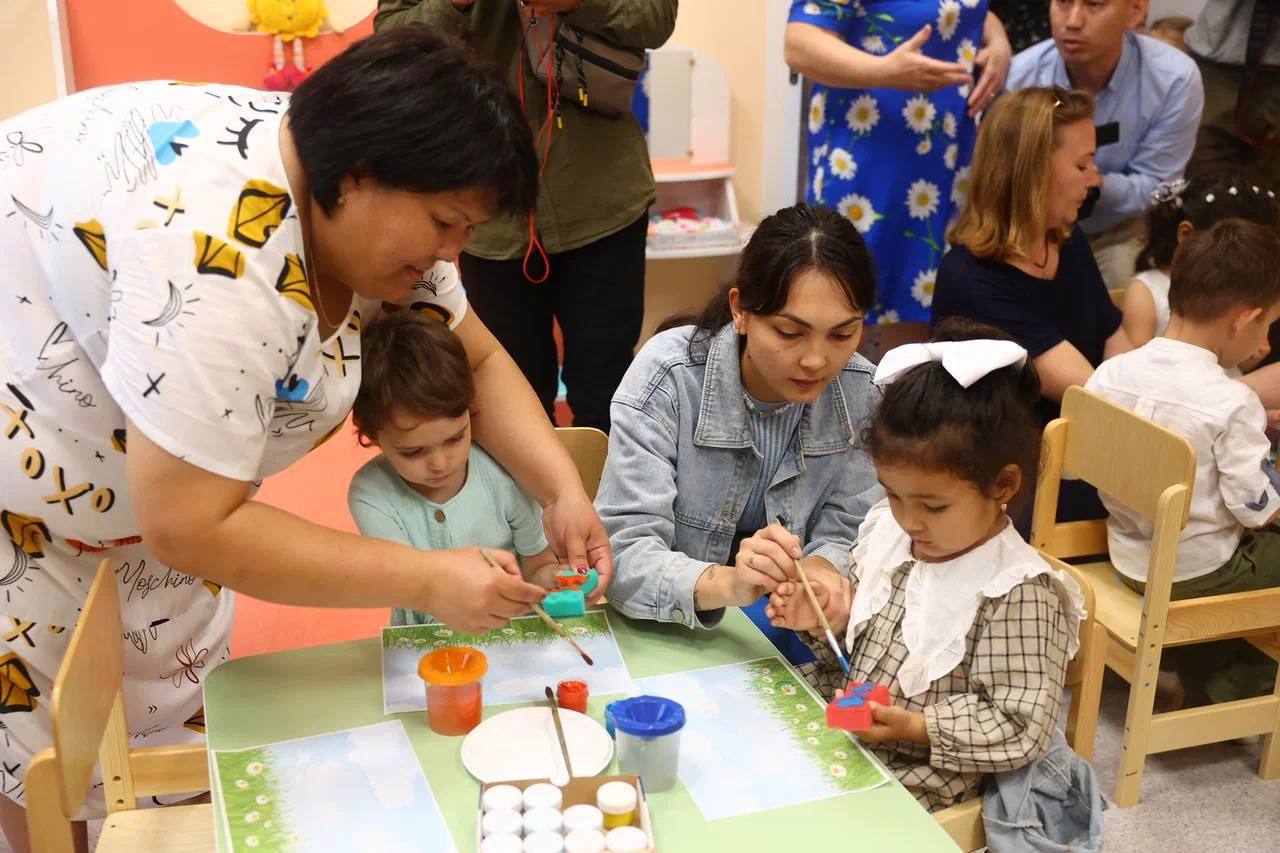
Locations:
{"points": [[997, 710]]}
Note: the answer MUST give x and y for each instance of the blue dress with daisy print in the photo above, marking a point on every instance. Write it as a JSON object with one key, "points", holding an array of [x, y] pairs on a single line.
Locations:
{"points": [[896, 163]]}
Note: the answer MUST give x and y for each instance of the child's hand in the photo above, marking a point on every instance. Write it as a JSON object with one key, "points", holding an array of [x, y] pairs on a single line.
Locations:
{"points": [[463, 591], [894, 723], [789, 606]]}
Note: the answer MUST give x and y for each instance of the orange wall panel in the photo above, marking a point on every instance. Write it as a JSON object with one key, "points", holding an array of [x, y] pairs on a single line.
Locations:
{"points": [[116, 42]]}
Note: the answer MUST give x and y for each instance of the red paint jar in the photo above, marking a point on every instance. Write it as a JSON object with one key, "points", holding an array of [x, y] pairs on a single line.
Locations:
{"points": [[572, 695]]}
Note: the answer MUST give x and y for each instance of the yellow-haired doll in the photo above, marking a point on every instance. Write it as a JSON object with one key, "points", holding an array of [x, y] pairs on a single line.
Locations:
{"points": [[287, 20]]}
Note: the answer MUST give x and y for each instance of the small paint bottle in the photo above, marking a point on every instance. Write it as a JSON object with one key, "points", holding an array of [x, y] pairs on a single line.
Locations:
{"points": [[543, 820], [584, 841], [504, 843], [502, 797], [543, 842], [501, 822], [617, 802], [583, 816], [572, 695], [542, 795], [626, 839]]}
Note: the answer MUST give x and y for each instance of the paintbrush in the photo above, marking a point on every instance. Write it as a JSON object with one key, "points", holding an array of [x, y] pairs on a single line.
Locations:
{"points": [[822, 617], [555, 717], [537, 608]]}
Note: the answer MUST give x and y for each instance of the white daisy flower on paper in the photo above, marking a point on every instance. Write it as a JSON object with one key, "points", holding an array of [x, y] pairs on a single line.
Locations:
{"points": [[890, 316], [922, 199], [840, 754], [531, 633], [922, 287], [842, 165], [440, 643], [767, 689], [817, 111], [800, 706], [948, 18], [813, 726], [919, 113], [858, 210], [251, 841], [820, 153], [863, 114], [442, 632], [262, 799], [253, 768], [949, 156], [873, 44], [578, 630], [242, 784], [924, 146], [510, 632], [817, 182], [812, 741], [838, 771], [967, 53], [960, 187], [788, 689], [252, 817], [949, 124], [768, 679]]}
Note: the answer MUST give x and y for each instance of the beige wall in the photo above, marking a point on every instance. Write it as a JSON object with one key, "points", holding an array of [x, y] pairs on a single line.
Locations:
{"points": [[732, 32], [26, 56]]}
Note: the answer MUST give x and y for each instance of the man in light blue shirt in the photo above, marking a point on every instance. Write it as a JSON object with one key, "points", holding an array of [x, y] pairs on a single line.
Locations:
{"points": [[1148, 101]]}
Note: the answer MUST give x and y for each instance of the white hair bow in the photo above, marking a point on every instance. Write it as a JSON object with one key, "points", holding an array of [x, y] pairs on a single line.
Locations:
{"points": [[966, 361]]}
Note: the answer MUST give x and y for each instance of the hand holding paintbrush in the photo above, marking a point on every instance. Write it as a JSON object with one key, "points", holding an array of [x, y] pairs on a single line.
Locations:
{"points": [[817, 609], [537, 608]]}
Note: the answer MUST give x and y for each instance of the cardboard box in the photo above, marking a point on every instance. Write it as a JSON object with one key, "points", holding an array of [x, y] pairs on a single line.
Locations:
{"points": [[581, 790]]}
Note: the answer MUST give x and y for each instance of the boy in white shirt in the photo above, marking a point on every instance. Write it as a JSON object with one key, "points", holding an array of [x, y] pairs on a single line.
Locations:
{"points": [[1223, 297]]}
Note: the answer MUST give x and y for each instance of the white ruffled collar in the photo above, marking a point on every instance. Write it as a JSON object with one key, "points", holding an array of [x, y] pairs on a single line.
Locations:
{"points": [[942, 599]]}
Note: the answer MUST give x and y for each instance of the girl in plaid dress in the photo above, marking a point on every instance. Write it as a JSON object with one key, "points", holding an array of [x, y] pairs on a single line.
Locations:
{"points": [[942, 601]]}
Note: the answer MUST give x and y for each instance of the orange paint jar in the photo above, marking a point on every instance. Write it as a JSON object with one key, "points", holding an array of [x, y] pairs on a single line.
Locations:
{"points": [[454, 697], [572, 695]]}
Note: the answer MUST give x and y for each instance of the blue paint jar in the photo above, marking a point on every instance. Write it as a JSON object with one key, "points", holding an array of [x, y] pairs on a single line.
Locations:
{"points": [[648, 734]]}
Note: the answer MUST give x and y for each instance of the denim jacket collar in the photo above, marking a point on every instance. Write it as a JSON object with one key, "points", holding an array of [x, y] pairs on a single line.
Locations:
{"points": [[825, 426]]}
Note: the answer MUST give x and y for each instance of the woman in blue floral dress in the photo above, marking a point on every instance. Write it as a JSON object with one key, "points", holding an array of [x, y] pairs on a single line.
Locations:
{"points": [[891, 125]]}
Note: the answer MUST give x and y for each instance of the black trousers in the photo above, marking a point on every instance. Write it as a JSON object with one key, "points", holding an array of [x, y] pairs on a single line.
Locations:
{"points": [[597, 294]]}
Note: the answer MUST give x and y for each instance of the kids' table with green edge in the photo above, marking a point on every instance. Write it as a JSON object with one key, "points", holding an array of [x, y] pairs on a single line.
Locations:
{"points": [[284, 695]]}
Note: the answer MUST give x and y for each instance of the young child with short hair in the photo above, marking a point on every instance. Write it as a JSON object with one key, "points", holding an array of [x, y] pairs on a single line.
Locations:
{"points": [[1179, 208], [431, 487], [943, 602], [1224, 294]]}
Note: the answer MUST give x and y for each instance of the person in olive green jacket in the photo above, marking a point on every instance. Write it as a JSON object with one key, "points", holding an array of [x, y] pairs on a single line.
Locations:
{"points": [[592, 213]]}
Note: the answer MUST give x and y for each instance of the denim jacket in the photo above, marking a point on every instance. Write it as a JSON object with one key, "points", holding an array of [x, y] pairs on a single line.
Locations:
{"points": [[682, 465], [1050, 806]]}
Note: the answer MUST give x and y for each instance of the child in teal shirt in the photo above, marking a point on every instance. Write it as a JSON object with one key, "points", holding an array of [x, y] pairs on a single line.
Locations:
{"points": [[431, 487]]}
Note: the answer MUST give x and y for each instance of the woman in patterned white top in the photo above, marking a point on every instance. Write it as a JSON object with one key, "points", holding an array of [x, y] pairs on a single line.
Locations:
{"points": [[184, 270], [944, 603]]}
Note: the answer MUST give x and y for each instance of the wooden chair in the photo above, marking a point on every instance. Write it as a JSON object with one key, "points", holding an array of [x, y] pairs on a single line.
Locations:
{"points": [[587, 447], [963, 822], [89, 724], [1152, 471]]}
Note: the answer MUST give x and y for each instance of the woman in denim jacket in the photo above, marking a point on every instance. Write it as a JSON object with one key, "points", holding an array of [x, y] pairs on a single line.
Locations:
{"points": [[748, 412]]}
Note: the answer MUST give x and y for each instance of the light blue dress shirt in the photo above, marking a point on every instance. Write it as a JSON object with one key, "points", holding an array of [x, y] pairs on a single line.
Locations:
{"points": [[1156, 97]]}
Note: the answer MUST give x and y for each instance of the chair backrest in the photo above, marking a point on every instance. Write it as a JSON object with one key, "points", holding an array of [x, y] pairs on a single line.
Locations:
{"points": [[587, 447], [86, 695], [1143, 466]]}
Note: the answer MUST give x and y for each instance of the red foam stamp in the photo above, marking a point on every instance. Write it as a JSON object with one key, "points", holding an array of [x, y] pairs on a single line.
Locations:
{"points": [[851, 709]]}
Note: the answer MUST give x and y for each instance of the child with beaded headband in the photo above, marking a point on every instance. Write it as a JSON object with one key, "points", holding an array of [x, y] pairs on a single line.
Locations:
{"points": [[942, 602], [1178, 208]]}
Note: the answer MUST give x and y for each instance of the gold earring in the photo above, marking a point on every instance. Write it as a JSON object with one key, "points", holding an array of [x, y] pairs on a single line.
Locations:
{"points": [[342, 199], [1003, 507]]}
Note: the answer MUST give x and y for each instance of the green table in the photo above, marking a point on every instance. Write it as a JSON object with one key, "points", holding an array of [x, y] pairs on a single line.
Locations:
{"points": [[294, 694]]}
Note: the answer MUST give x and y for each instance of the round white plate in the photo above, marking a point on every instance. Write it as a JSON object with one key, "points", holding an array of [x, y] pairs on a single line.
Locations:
{"points": [[522, 744]]}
